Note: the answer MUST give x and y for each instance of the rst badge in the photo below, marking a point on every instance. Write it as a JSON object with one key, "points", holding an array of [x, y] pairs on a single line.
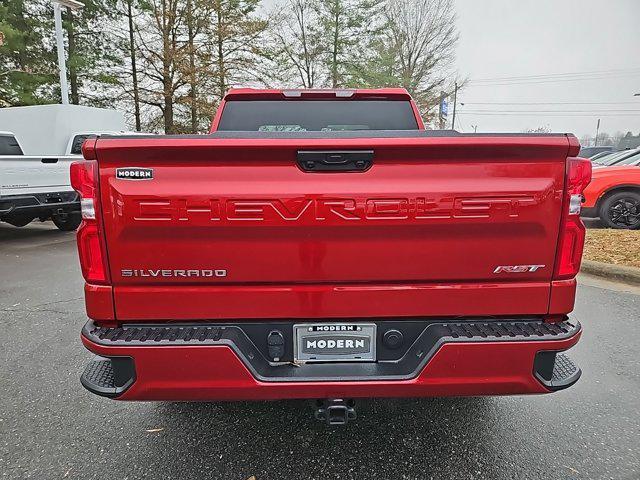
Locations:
{"points": [[134, 173], [517, 268]]}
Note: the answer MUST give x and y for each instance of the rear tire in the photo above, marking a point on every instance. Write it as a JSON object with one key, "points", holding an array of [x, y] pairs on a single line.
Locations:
{"points": [[67, 223], [621, 210]]}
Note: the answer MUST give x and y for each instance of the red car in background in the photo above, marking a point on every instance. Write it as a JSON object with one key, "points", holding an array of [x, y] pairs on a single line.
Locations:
{"points": [[614, 196]]}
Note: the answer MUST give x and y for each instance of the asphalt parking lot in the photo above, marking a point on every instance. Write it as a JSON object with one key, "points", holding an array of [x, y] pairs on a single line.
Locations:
{"points": [[50, 427]]}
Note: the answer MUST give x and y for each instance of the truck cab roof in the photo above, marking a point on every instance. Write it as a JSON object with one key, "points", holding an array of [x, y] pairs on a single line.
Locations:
{"points": [[343, 93], [249, 109]]}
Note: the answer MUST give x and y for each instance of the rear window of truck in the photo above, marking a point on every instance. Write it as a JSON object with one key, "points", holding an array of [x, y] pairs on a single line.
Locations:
{"points": [[9, 145], [316, 115], [78, 140]]}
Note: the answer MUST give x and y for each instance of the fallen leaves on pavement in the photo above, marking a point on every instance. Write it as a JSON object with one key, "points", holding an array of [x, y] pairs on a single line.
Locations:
{"points": [[620, 247]]}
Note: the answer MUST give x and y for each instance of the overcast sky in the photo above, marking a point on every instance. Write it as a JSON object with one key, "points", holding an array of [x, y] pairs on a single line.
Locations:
{"points": [[521, 38]]}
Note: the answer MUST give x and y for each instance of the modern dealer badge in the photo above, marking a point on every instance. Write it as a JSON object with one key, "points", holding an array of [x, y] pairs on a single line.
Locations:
{"points": [[134, 173]]}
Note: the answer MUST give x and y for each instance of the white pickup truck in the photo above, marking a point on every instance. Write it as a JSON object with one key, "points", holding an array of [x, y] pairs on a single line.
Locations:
{"points": [[35, 157], [33, 186]]}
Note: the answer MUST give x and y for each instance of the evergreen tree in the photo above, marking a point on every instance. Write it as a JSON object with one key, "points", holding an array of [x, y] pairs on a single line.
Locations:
{"points": [[346, 27], [235, 34], [28, 72], [92, 52]]}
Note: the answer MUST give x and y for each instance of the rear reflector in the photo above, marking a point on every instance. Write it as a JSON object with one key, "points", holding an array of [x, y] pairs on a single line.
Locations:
{"points": [[575, 204], [87, 208], [572, 230]]}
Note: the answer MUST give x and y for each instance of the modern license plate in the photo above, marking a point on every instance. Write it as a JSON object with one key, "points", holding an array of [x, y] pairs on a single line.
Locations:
{"points": [[335, 342]]}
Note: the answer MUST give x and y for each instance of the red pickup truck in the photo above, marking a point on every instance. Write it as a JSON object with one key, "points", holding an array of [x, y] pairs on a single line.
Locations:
{"points": [[324, 245]]}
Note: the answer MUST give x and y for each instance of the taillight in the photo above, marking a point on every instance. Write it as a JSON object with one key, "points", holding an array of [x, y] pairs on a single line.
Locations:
{"points": [[572, 230], [84, 180]]}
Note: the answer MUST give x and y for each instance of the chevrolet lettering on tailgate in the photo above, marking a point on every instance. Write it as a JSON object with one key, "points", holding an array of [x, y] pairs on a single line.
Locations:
{"points": [[319, 209]]}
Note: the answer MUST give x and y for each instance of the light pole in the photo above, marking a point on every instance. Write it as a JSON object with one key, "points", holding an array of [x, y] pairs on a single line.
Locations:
{"points": [[455, 104], [62, 65]]}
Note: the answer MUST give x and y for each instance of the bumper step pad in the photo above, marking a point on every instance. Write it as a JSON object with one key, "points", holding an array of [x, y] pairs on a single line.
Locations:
{"points": [[556, 370], [108, 377]]}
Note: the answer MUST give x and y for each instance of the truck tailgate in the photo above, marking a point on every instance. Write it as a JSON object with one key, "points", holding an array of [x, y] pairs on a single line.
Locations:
{"points": [[21, 175], [233, 228]]}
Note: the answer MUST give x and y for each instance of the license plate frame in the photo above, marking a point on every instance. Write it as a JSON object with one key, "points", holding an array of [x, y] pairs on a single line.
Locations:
{"points": [[338, 351]]}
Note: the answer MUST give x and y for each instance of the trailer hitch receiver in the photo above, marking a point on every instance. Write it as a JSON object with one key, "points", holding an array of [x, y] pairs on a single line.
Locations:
{"points": [[335, 411]]}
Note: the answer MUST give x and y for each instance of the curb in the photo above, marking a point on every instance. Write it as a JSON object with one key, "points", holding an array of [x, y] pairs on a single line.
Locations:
{"points": [[611, 271]]}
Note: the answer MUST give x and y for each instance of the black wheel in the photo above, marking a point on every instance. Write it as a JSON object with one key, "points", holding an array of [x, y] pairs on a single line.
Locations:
{"points": [[621, 210], [68, 222]]}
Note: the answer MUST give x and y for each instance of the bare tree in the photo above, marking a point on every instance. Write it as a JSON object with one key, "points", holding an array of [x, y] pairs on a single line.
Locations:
{"points": [[184, 55], [162, 52], [132, 59], [604, 138], [420, 39], [295, 44], [586, 140], [541, 129], [321, 42], [617, 138], [191, 46], [177, 58], [235, 34], [195, 66]]}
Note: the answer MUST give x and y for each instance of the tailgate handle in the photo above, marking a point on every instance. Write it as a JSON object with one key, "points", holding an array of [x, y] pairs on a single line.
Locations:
{"points": [[335, 161], [49, 160]]}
